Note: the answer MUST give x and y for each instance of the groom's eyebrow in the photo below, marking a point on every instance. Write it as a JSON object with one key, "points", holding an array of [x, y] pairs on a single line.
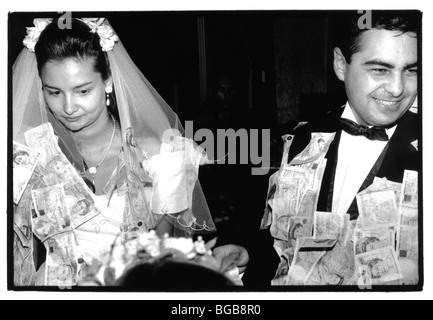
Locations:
{"points": [[389, 65], [379, 63]]}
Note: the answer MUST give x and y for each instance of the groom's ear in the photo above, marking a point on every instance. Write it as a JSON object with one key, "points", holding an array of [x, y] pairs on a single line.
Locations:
{"points": [[340, 64]]}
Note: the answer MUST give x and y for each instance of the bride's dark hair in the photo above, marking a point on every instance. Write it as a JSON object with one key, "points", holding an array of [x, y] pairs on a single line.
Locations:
{"points": [[56, 44], [78, 42]]}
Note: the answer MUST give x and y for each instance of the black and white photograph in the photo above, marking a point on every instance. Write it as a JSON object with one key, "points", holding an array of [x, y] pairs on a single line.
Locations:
{"points": [[195, 153]]}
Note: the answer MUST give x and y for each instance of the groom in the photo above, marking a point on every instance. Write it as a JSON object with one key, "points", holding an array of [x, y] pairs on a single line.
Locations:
{"points": [[379, 69]]}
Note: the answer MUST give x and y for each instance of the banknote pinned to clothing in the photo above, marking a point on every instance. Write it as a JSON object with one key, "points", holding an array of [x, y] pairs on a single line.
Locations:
{"points": [[408, 231], [335, 268], [331, 225], [366, 241], [379, 267], [303, 263], [52, 213], [62, 264], [290, 184], [409, 196], [286, 254], [378, 209], [316, 149], [382, 184], [56, 169], [25, 160]]}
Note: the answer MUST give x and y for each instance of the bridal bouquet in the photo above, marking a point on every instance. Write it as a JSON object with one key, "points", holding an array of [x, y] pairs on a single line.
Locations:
{"points": [[150, 248]]}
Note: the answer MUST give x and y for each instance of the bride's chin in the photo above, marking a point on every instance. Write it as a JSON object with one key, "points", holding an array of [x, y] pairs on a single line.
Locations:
{"points": [[73, 127]]}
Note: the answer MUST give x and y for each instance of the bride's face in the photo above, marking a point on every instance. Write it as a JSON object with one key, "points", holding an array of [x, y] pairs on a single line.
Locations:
{"points": [[74, 92]]}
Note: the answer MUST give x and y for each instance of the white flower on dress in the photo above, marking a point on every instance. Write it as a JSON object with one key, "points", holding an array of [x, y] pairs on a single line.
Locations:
{"points": [[184, 245], [150, 242]]}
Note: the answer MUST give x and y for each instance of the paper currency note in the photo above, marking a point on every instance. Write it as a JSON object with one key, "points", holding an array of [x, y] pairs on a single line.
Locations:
{"points": [[286, 254], [61, 264], [57, 169], [366, 241], [291, 188], [302, 264], [308, 204], [300, 227], [396, 186], [408, 232], [409, 197], [288, 228], [318, 175], [382, 184], [351, 230], [314, 172], [25, 160], [408, 216], [407, 242], [381, 266], [336, 267], [284, 250], [52, 212], [81, 202], [408, 209], [293, 185], [407, 251], [43, 138], [269, 205], [316, 149], [331, 225], [280, 226], [377, 209], [281, 275], [295, 191]]}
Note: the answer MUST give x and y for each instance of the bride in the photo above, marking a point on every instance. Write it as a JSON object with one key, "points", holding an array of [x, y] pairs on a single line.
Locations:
{"points": [[78, 88]]}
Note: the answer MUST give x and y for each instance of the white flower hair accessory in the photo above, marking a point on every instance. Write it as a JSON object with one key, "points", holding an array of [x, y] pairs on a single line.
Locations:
{"points": [[33, 33], [105, 32]]}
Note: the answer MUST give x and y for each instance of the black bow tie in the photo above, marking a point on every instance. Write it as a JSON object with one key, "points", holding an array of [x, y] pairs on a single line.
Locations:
{"points": [[373, 133]]}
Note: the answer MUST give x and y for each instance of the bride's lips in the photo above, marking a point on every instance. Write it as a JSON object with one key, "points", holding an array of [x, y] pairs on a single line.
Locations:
{"points": [[72, 119]]}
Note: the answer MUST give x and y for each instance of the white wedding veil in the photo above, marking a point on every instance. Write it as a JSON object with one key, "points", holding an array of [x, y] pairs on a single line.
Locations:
{"points": [[144, 118]]}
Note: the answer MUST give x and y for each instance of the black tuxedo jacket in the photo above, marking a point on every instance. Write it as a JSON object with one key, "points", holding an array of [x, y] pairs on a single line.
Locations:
{"points": [[398, 155]]}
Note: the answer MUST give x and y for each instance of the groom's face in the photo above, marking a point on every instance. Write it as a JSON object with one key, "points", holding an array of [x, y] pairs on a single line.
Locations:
{"points": [[381, 80]]}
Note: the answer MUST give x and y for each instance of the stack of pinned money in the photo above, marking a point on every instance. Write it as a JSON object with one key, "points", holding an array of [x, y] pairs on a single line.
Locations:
{"points": [[407, 233], [386, 235], [292, 198], [325, 248], [327, 258], [61, 203]]}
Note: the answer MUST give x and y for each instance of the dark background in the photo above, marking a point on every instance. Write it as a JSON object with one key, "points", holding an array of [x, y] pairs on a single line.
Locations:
{"points": [[281, 65]]}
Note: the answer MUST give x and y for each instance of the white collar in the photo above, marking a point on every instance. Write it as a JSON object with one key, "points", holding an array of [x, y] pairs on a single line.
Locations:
{"points": [[348, 114]]}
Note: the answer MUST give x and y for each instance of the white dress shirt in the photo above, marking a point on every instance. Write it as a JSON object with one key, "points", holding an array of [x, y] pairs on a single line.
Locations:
{"points": [[356, 157]]}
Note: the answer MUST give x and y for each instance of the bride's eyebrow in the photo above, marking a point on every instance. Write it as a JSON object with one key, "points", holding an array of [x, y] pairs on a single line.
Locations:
{"points": [[74, 88]]}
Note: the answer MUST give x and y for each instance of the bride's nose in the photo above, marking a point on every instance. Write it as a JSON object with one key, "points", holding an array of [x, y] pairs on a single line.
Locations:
{"points": [[69, 105]]}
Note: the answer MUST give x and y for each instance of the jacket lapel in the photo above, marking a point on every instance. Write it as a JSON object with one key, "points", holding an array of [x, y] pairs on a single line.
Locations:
{"points": [[398, 155], [303, 136]]}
